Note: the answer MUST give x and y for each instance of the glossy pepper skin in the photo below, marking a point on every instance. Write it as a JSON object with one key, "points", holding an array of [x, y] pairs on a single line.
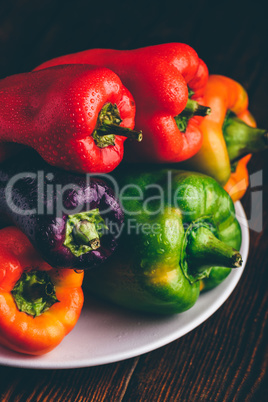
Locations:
{"points": [[36, 319], [171, 246], [73, 116], [159, 77], [52, 207], [229, 134]]}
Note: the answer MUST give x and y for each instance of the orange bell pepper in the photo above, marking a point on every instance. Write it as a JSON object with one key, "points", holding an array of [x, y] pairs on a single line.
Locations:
{"points": [[229, 134], [39, 305], [238, 183]]}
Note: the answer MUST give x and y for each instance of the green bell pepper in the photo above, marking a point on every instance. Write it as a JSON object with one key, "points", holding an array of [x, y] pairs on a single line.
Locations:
{"points": [[180, 234]]}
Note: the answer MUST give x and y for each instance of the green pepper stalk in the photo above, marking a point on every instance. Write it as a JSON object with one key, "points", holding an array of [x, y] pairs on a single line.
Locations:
{"points": [[34, 293], [192, 108], [83, 232], [108, 127], [241, 139]]}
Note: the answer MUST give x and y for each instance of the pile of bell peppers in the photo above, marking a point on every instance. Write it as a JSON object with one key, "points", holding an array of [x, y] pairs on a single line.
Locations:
{"points": [[188, 133]]}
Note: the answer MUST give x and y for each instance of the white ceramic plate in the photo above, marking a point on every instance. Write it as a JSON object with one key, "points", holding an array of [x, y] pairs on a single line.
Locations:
{"points": [[106, 334]]}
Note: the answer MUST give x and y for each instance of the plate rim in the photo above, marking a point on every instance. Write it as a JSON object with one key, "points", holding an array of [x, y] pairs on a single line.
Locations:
{"points": [[35, 362]]}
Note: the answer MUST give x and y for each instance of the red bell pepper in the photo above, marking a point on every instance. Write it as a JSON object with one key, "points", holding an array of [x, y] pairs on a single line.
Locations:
{"points": [[166, 82], [39, 305], [76, 117]]}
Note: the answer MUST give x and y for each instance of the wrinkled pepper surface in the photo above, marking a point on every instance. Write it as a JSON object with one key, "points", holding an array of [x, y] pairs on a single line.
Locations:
{"points": [[167, 82], [180, 235], [39, 305], [76, 117], [229, 134]]}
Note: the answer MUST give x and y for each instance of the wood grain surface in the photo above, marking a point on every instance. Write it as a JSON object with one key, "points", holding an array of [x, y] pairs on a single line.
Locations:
{"points": [[225, 358]]}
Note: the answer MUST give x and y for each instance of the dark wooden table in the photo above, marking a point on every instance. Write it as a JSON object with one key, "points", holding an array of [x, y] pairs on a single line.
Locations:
{"points": [[224, 358]]}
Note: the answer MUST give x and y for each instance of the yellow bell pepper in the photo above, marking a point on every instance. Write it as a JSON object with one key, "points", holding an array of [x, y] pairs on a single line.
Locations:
{"points": [[229, 134]]}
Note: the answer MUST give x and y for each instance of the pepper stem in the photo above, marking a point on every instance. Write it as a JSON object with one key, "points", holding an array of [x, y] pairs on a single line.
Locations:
{"points": [[242, 139], [193, 108], [34, 293], [205, 251], [114, 129], [84, 231], [108, 126]]}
